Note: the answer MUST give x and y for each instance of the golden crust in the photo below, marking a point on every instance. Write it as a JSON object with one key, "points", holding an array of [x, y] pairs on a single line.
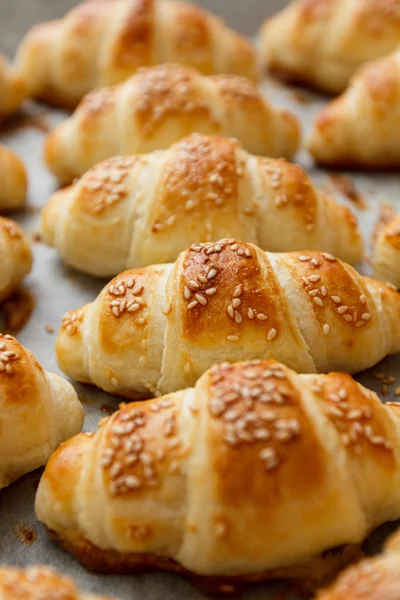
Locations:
{"points": [[387, 252], [15, 257], [105, 42], [170, 474], [14, 181], [321, 43], [12, 89], [159, 106]]}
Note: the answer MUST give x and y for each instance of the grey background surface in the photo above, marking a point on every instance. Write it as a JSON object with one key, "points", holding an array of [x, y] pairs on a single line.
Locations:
{"points": [[57, 289]]}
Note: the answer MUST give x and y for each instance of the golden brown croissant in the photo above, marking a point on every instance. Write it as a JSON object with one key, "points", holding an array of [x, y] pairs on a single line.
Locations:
{"points": [[157, 329], [372, 579], [361, 128], [156, 108], [141, 210], [15, 257], [242, 476], [387, 253], [102, 43], [13, 181], [38, 411], [12, 88], [321, 43], [38, 583]]}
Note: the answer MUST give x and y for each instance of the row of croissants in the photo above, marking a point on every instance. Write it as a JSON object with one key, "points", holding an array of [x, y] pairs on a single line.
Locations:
{"points": [[238, 479], [234, 339]]}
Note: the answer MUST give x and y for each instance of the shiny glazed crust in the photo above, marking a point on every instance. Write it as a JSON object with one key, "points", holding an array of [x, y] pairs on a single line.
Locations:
{"points": [[156, 108], [140, 210], [227, 301], [321, 43], [15, 257], [13, 181], [38, 410], [12, 89], [240, 477], [102, 42]]}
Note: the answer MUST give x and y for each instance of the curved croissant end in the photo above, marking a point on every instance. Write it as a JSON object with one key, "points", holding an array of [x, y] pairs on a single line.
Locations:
{"points": [[321, 43], [12, 89], [15, 257], [135, 211], [101, 43], [360, 129], [13, 179], [216, 480], [39, 410], [159, 106], [36, 583], [228, 301], [387, 253]]}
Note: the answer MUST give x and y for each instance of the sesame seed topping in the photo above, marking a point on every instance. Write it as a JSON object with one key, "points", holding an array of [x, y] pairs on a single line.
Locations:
{"points": [[342, 309], [318, 301], [272, 334], [304, 258], [233, 338], [336, 299], [262, 317], [366, 316], [192, 304], [326, 329]]}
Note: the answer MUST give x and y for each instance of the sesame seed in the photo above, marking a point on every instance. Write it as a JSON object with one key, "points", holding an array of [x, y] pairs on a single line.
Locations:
{"points": [[231, 311], [186, 293], [328, 256], [238, 291], [192, 304], [313, 293], [366, 316], [193, 285], [238, 317], [342, 309], [250, 313], [347, 318], [336, 299], [315, 262], [211, 291], [318, 301], [187, 368], [326, 329], [363, 299], [261, 317], [232, 338], [304, 258], [359, 323], [201, 299], [314, 278], [114, 381], [211, 273], [236, 302], [272, 334]]}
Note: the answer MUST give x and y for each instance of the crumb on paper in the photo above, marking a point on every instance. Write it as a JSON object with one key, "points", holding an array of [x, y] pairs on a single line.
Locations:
{"points": [[107, 409], [384, 389], [379, 376], [345, 185], [26, 534], [17, 311], [49, 328], [36, 237]]}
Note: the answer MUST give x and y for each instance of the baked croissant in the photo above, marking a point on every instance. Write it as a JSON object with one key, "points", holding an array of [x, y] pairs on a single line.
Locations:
{"points": [[15, 257], [13, 179], [156, 108], [101, 43], [321, 43], [157, 329], [387, 253], [136, 211], [242, 476], [38, 583], [38, 411], [361, 128], [372, 579], [12, 88]]}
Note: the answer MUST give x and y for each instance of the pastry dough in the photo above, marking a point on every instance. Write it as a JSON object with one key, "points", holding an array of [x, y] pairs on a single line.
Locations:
{"points": [[253, 474], [156, 108], [136, 211], [157, 329], [12, 88], [13, 179], [15, 257], [372, 579], [38, 411], [387, 253], [361, 128], [38, 583], [102, 42], [321, 43]]}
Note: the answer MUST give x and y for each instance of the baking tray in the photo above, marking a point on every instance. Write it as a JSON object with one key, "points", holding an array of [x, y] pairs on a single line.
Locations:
{"points": [[56, 289]]}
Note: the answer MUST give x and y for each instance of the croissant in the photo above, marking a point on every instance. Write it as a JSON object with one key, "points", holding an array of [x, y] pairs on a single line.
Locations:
{"points": [[361, 128], [136, 211], [13, 179], [387, 253], [372, 579], [156, 108], [38, 583], [102, 43], [240, 477], [157, 329], [38, 411], [321, 43], [15, 257], [12, 88]]}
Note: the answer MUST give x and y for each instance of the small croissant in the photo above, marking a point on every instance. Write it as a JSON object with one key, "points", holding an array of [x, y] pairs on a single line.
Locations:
{"points": [[156, 108], [15, 257], [361, 128], [141, 210], [255, 473], [12, 88], [103, 42], [157, 329], [321, 43], [38, 583], [38, 411], [13, 179]]}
